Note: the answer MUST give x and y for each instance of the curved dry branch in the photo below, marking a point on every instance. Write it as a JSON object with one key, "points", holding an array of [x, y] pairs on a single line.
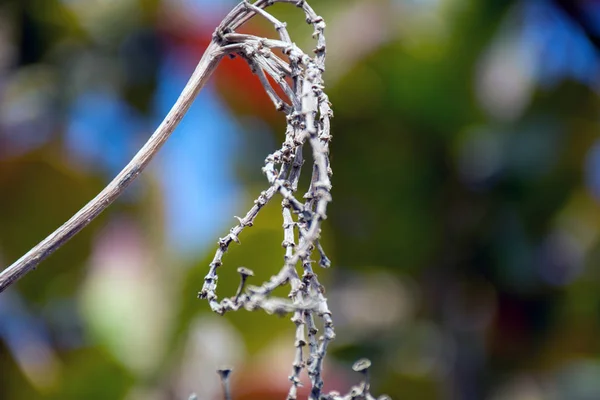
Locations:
{"points": [[117, 186]]}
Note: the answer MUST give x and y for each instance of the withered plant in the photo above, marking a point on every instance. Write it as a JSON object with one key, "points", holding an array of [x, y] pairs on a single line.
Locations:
{"points": [[307, 111]]}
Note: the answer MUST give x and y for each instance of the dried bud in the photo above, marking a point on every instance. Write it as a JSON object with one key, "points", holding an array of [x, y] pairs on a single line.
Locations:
{"points": [[362, 365], [245, 272], [224, 372]]}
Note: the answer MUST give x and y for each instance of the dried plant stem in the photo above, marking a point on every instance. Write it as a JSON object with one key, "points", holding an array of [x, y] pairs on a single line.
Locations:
{"points": [[308, 113], [117, 186]]}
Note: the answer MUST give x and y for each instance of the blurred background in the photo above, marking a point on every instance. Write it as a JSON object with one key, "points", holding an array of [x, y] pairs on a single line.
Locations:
{"points": [[464, 231]]}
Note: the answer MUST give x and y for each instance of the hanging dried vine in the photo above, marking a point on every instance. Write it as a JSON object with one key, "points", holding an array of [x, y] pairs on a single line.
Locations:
{"points": [[308, 112]]}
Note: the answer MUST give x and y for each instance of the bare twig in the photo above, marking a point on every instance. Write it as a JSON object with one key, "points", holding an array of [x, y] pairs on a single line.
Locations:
{"points": [[117, 186]]}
